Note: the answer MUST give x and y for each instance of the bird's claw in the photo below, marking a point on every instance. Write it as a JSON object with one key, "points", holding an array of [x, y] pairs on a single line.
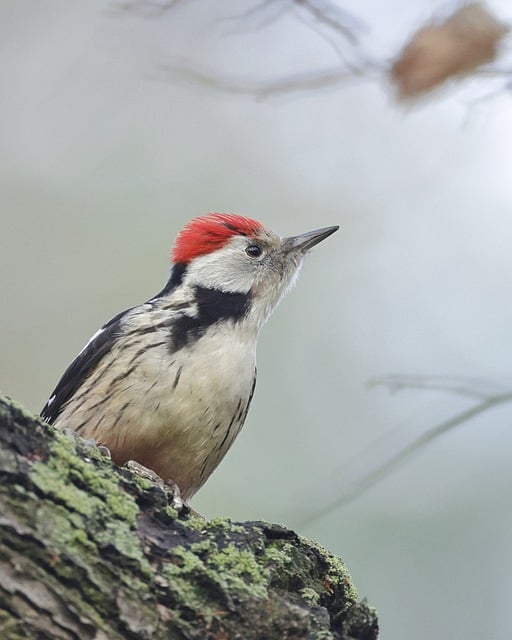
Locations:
{"points": [[177, 501], [105, 451], [142, 471]]}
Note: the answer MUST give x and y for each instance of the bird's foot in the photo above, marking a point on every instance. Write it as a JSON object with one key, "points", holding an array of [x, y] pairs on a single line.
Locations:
{"points": [[169, 486], [105, 451]]}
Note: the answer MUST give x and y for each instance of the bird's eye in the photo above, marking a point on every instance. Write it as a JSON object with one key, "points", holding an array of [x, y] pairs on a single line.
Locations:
{"points": [[253, 251]]}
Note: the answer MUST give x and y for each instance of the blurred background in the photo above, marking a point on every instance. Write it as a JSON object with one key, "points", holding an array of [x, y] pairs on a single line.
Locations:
{"points": [[107, 149]]}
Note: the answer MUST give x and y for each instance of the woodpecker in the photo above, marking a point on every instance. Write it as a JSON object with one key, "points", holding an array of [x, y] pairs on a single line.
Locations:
{"points": [[168, 383]]}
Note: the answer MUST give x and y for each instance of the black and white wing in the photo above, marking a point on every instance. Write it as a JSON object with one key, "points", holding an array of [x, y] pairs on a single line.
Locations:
{"points": [[98, 346], [82, 366]]}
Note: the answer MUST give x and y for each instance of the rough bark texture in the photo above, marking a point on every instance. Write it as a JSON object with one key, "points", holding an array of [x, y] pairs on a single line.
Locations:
{"points": [[90, 551]]}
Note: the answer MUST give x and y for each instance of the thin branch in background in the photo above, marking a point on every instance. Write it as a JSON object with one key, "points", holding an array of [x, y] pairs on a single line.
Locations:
{"points": [[485, 403], [339, 47], [473, 387], [263, 89], [323, 12], [260, 15], [492, 72], [320, 11], [149, 8], [329, 22], [333, 16], [327, 19], [458, 46]]}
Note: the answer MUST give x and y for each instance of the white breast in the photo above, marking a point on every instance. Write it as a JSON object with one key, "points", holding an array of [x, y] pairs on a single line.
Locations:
{"points": [[176, 413]]}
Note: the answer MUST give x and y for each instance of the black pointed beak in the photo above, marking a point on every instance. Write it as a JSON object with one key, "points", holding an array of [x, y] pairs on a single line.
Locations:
{"points": [[306, 241]]}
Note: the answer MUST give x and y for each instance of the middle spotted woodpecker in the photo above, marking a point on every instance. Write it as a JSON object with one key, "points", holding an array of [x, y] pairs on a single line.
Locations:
{"points": [[168, 383]]}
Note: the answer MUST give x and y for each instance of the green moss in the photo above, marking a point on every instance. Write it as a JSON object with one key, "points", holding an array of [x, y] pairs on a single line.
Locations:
{"points": [[117, 534], [78, 484], [337, 571], [92, 495], [141, 588], [120, 504], [172, 513], [61, 530], [187, 576], [19, 408], [8, 461], [196, 523], [144, 484], [223, 524], [204, 548], [183, 561], [196, 575], [241, 570], [310, 596], [221, 575], [48, 479], [277, 555]]}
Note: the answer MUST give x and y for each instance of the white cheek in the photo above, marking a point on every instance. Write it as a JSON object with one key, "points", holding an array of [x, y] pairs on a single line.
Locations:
{"points": [[295, 276], [227, 269]]}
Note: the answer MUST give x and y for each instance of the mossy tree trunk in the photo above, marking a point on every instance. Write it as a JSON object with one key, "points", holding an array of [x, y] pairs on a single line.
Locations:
{"points": [[90, 551]]}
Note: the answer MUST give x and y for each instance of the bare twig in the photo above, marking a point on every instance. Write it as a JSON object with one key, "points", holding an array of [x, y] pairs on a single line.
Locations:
{"points": [[486, 402], [339, 28], [454, 47], [352, 56], [332, 16], [261, 14], [326, 19], [262, 89], [151, 8], [323, 12], [473, 387]]}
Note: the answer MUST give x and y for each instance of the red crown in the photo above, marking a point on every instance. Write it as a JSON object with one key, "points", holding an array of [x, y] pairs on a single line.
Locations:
{"points": [[209, 233]]}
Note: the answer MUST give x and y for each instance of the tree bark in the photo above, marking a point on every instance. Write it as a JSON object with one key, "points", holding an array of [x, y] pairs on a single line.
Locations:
{"points": [[90, 551]]}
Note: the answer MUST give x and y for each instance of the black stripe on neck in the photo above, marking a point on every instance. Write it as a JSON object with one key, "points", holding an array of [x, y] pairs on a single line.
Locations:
{"points": [[213, 306], [175, 279]]}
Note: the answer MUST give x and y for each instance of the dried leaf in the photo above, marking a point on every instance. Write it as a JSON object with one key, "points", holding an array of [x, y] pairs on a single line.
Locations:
{"points": [[467, 39]]}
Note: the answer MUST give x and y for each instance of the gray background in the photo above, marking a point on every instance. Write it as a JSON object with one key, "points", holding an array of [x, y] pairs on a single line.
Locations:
{"points": [[103, 158]]}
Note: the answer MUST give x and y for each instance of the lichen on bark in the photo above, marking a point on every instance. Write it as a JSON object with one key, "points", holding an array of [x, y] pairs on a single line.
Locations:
{"points": [[90, 551]]}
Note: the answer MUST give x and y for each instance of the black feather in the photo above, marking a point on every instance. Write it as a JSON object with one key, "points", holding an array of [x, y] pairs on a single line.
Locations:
{"points": [[175, 279], [213, 306], [88, 359], [85, 362]]}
